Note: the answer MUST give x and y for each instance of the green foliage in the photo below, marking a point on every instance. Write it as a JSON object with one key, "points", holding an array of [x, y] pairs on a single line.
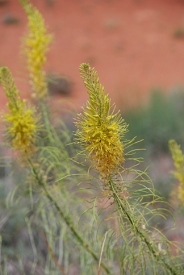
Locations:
{"points": [[161, 119]]}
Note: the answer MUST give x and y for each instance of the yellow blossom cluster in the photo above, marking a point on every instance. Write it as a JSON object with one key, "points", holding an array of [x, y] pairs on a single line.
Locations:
{"points": [[36, 45], [21, 124], [99, 129], [178, 159]]}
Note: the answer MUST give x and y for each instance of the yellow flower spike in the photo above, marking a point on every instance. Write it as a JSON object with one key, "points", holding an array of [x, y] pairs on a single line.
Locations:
{"points": [[21, 123], [9, 87], [99, 129], [36, 46], [178, 159]]}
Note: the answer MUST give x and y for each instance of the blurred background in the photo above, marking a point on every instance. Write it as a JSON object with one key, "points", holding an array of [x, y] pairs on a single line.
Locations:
{"points": [[137, 48], [135, 45]]}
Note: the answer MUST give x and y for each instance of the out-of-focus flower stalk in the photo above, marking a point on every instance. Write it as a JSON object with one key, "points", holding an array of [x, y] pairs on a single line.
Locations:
{"points": [[35, 46], [178, 159], [21, 122]]}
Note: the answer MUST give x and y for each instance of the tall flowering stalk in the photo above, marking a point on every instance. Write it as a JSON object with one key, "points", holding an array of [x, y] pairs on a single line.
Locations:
{"points": [[178, 159], [100, 130], [21, 121], [21, 127], [36, 44]]}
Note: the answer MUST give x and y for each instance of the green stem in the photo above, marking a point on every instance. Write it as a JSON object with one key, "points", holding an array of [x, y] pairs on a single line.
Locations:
{"points": [[67, 219], [47, 122], [136, 229], [52, 133]]}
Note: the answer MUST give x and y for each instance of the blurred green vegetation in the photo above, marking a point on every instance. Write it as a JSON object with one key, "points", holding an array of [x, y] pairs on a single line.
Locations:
{"points": [[155, 124], [159, 121]]}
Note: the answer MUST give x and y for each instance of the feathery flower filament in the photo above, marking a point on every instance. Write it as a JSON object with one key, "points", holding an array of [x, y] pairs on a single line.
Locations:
{"points": [[99, 129], [21, 124]]}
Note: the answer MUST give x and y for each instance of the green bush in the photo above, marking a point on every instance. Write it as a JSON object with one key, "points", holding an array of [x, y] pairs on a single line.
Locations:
{"points": [[161, 119]]}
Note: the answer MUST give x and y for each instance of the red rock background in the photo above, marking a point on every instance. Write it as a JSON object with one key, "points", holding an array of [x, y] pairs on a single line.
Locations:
{"points": [[131, 43]]}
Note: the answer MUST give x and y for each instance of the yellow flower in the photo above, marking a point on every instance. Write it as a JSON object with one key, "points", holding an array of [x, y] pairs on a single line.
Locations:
{"points": [[36, 46], [99, 129], [21, 124], [178, 159], [22, 129]]}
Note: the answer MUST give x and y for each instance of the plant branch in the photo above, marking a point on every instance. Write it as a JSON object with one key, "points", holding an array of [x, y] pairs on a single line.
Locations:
{"points": [[136, 229], [67, 219]]}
